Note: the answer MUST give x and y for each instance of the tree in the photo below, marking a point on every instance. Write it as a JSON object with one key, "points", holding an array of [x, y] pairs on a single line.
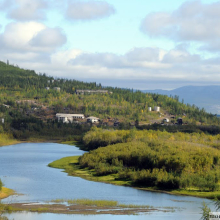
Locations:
{"points": [[205, 211]]}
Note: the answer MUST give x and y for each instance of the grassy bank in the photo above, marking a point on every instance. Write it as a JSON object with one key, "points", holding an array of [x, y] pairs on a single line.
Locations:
{"points": [[71, 166], [6, 139], [5, 192]]}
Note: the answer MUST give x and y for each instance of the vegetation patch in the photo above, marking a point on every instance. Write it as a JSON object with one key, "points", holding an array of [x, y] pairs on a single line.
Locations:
{"points": [[5, 192], [82, 206], [7, 139], [179, 163]]}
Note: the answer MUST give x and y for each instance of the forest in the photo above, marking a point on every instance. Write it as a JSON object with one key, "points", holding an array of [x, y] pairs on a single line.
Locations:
{"points": [[155, 158]]}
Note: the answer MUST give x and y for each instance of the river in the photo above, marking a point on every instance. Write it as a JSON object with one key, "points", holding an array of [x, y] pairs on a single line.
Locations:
{"points": [[24, 169]]}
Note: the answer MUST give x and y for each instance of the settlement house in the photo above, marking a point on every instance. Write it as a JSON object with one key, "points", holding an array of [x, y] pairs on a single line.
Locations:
{"points": [[166, 120], [68, 118], [92, 119], [87, 91], [156, 108], [179, 121], [57, 89]]}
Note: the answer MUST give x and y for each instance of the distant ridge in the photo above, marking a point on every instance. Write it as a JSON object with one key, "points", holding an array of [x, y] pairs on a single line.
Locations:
{"points": [[207, 97]]}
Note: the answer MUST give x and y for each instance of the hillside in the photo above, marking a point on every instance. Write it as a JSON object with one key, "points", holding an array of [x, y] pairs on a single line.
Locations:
{"points": [[202, 96], [30, 101]]}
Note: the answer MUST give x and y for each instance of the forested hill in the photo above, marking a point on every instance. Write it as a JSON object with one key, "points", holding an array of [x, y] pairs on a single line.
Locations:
{"points": [[28, 99], [14, 78]]}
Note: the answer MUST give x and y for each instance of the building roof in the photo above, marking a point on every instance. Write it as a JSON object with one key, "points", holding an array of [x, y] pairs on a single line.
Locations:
{"points": [[91, 117], [69, 115]]}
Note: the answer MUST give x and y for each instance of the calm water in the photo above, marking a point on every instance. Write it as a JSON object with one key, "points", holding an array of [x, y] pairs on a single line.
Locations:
{"points": [[24, 169]]}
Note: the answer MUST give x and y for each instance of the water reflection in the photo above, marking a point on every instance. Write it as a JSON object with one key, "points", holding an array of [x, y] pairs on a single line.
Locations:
{"points": [[155, 216]]}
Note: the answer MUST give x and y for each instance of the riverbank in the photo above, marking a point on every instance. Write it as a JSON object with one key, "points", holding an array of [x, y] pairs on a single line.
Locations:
{"points": [[71, 166], [5, 192]]}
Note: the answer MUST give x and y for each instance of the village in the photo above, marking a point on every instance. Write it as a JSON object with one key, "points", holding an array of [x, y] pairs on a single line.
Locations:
{"points": [[34, 108]]}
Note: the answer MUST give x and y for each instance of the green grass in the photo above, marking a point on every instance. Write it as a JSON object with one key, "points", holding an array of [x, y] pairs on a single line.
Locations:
{"points": [[88, 202], [71, 166], [41, 209], [197, 193], [5, 192], [6, 139], [98, 203]]}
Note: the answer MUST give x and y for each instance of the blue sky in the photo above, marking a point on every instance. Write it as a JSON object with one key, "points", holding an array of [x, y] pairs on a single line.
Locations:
{"points": [[132, 44]]}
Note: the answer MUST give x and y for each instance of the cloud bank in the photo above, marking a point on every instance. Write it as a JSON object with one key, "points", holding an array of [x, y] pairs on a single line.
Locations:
{"points": [[89, 10], [192, 22], [25, 10]]}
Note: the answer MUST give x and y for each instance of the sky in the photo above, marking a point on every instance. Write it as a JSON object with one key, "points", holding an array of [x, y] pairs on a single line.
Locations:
{"points": [[140, 44]]}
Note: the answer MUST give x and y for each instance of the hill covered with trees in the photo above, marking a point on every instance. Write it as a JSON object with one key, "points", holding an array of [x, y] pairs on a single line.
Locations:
{"points": [[29, 102]]}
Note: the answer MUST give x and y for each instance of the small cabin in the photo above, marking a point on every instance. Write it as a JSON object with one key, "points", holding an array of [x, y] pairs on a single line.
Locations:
{"points": [[93, 119], [156, 108], [68, 118], [6, 106], [179, 121], [57, 89], [166, 120], [87, 91]]}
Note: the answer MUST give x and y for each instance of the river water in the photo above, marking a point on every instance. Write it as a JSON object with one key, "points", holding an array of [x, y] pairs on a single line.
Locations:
{"points": [[24, 169]]}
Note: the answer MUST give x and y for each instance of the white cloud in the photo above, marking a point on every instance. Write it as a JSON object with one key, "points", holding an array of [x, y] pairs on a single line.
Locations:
{"points": [[31, 37], [61, 58], [89, 10], [193, 21], [48, 38], [139, 63], [25, 10], [6, 4], [180, 56], [17, 35]]}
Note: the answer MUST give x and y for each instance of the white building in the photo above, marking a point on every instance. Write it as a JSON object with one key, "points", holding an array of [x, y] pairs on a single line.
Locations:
{"points": [[156, 108], [93, 119], [166, 120], [57, 89], [149, 109], [68, 118], [7, 106]]}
